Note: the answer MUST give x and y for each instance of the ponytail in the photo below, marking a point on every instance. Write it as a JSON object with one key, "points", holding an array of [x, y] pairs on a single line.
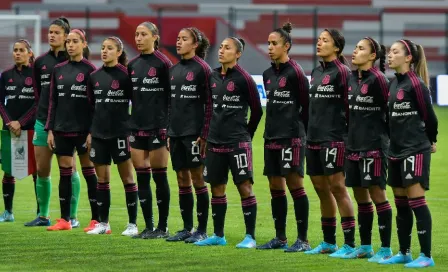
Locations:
{"points": [[343, 60], [123, 58], [383, 59], [421, 67]]}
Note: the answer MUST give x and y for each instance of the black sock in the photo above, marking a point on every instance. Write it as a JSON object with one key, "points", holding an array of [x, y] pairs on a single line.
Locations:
{"points": [[186, 204], [219, 209], [249, 206], [348, 228], [8, 186], [405, 220], [424, 223], [162, 195], [131, 201], [103, 201], [302, 210], [384, 211], [202, 206], [329, 229], [91, 180], [365, 222], [145, 195], [65, 191], [35, 192], [279, 207]]}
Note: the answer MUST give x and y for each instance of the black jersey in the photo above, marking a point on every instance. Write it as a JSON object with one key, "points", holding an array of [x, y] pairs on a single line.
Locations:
{"points": [[110, 90], [42, 69], [17, 97], [328, 103], [368, 129], [190, 104], [287, 101], [412, 121], [151, 91], [232, 94], [69, 109]]}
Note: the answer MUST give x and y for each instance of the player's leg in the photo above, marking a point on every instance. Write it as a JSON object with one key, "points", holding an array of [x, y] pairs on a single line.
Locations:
{"points": [[8, 187], [76, 192]]}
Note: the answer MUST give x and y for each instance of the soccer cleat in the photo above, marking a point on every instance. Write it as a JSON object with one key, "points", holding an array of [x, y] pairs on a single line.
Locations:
{"points": [[275, 244], [60, 225], [39, 222], [323, 248], [382, 254], [6, 217], [131, 230], [158, 234], [400, 258], [361, 252], [196, 236], [212, 241], [179, 236], [91, 225], [421, 262], [344, 250], [75, 223], [248, 242], [100, 228], [143, 235], [299, 246]]}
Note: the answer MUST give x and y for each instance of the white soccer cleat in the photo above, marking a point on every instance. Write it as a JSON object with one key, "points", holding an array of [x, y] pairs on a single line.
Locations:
{"points": [[100, 228], [131, 230]]}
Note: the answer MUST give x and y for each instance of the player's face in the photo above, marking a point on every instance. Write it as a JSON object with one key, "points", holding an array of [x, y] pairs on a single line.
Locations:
{"points": [[185, 44], [74, 45], [228, 52], [56, 36], [21, 54], [397, 57], [109, 52], [144, 39], [276, 46], [326, 46], [363, 53]]}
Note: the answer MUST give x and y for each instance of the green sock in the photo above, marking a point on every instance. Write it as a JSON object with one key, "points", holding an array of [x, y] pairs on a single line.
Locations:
{"points": [[76, 190], [43, 188]]}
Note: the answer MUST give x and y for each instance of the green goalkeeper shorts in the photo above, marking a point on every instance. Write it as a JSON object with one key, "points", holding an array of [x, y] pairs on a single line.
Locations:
{"points": [[40, 135]]}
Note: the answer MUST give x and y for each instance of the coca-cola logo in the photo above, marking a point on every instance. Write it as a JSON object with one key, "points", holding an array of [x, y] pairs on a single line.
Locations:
{"points": [[115, 93], [231, 86], [364, 88], [400, 94], [152, 72], [188, 88], [282, 82], [80, 77], [115, 84], [190, 76], [326, 80], [28, 81], [153, 80]]}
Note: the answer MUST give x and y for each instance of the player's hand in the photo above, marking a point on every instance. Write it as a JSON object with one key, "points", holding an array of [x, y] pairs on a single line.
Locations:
{"points": [[433, 148], [18, 132], [14, 127], [168, 144], [50, 140], [202, 145], [89, 141]]}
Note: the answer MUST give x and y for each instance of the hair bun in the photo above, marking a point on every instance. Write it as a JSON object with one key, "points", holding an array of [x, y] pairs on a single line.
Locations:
{"points": [[287, 27], [242, 42], [65, 20]]}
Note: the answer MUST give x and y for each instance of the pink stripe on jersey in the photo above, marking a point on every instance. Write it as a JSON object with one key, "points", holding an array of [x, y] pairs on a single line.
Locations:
{"points": [[28, 116], [418, 165], [89, 63], [382, 83], [122, 68], [419, 94], [344, 78], [377, 167], [208, 96], [296, 155], [163, 58]]}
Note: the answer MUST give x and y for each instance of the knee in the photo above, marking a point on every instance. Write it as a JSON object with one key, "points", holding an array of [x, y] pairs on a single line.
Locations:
{"points": [[339, 190], [183, 180], [245, 189]]}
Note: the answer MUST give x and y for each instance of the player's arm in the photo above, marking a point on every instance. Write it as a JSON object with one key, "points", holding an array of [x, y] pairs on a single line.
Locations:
{"points": [[3, 112], [256, 111], [426, 111]]}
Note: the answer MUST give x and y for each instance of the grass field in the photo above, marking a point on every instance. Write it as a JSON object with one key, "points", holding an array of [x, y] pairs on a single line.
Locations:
{"points": [[33, 249]]}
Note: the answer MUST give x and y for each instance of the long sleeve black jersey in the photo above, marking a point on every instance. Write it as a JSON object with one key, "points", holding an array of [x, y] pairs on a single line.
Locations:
{"points": [[17, 97], [151, 91], [287, 101], [232, 94], [368, 129], [190, 104], [43, 67], [412, 121], [110, 90], [328, 103], [69, 109]]}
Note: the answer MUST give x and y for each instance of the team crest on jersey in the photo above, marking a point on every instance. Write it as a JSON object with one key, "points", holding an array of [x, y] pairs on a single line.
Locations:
{"points": [[133, 72], [364, 88], [350, 88], [44, 67], [231, 86], [28, 81], [282, 82], [80, 77], [152, 71], [326, 80], [190, 76], [97, 84], [10, 80], [268, 82], [400, 94], [115, 84]]}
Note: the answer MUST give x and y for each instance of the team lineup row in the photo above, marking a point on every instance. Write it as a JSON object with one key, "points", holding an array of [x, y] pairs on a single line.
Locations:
{"points": [[355, 129]]}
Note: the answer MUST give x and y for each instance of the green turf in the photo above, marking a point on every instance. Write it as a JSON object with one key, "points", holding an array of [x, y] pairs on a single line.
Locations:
{"points": [[31, 249]]}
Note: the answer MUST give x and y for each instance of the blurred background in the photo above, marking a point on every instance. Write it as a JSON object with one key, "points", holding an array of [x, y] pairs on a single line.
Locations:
{"points": [[422, 21]]}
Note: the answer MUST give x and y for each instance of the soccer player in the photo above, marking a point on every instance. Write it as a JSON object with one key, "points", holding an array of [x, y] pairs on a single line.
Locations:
{"points": [[229, 141], [17, 109], [284, 149], [149, 72], [110, 90], [368, 141], [327, 130], [190, 113], [42, 69], [413, 136], [68, 131]]}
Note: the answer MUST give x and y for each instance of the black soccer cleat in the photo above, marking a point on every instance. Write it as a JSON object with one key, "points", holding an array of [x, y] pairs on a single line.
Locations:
{"points": [[158, 234], [196, 237], [144, 234], [299, 246], [181, 235], [39, 222], [275, 244]]}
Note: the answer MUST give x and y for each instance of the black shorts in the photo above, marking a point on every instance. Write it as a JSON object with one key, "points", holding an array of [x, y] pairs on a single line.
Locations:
{"points": [[366, 172], [325, 160], [149, 141], [413, 169], [284, 156], [102, 151], [185, 153], [66, 145], [220, 158]]}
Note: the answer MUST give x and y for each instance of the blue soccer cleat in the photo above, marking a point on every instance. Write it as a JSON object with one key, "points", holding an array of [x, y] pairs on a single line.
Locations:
{"points": [[39, 222], [323, 248], [382, 254], [361, 252], [6, 217], [75, 223], [400, 258], [248, 242], [421, 262], [344, 250], [212, 241]]}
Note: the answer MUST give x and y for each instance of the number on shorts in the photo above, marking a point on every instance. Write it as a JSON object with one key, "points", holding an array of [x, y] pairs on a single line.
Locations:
{"points": [[367, 163], [194, 149], [241, 160], [332, 151], [121, 143], [410, 159], [287, 154]]}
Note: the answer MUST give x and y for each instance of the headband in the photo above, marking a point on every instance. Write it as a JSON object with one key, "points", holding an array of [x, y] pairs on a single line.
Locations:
{"points": [[198, 38], [80, 33], [26, 42], [407, 46], [117, 40], [238, 41], [372, 42]]}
